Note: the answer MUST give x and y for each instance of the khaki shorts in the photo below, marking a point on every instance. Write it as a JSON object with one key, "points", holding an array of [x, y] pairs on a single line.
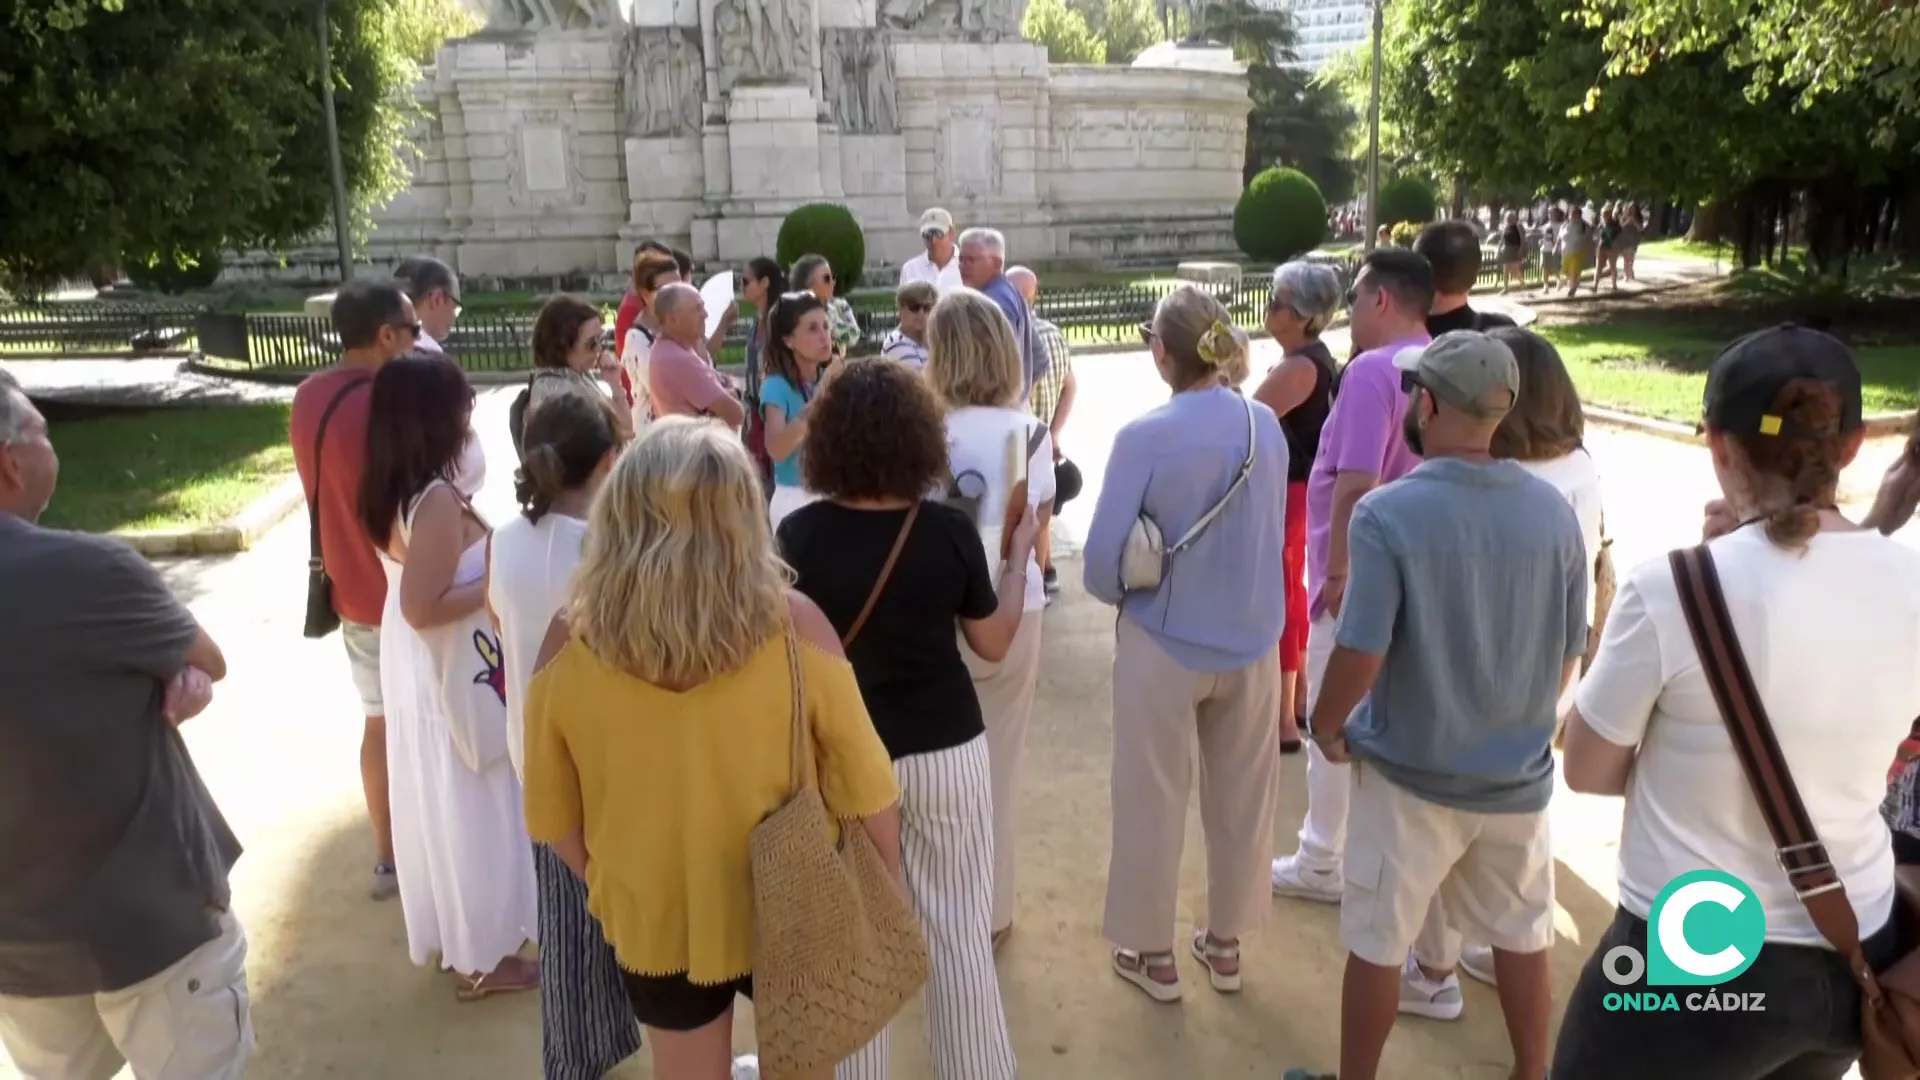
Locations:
{"points": [[189, 1022], [363, 659], [1493, 873]]}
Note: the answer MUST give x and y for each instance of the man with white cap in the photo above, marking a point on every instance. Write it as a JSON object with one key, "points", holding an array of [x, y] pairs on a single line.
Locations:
{"points": [[940, 266], [1464, 619]]}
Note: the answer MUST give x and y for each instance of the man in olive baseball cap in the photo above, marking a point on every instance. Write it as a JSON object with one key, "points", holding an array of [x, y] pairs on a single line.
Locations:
{"points": [[1465, 369]]}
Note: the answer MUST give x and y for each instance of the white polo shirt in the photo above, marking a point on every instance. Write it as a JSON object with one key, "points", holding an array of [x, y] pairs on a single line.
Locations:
{"points": [[943, 278]]}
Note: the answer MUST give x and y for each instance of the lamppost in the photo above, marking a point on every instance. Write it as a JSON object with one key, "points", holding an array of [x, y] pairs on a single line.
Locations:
{"points": [[1373, 129], [340, 237]]}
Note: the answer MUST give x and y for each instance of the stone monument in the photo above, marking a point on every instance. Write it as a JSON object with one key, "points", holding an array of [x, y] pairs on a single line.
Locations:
{"points": [[557, 138]]}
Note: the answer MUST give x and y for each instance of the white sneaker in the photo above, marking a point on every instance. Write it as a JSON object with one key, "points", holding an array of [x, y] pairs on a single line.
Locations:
{"points": [[746, 1067], [1297, 881], [1421, 996], [1477, 961]]}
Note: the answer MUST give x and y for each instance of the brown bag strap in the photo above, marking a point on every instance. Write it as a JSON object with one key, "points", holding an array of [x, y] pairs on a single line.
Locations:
{"points": [[1798, 848], [886, 571]]}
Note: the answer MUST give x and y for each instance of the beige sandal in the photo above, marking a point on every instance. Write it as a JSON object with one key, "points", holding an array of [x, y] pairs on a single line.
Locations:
{"points": [[479, 987], [1135, 967], [1206, 950]]}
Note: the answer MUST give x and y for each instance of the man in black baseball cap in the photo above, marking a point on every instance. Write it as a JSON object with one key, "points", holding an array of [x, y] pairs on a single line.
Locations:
{"points": [[1748, 375]]}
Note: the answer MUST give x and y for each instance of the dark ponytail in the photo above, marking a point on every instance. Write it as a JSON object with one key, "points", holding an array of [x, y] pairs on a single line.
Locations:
{"points": [[1798, 469], [566, 438]]}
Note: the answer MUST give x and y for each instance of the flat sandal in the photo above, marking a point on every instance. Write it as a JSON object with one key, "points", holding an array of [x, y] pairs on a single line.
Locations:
{"points": [[1207, 951], [1135, 967]]}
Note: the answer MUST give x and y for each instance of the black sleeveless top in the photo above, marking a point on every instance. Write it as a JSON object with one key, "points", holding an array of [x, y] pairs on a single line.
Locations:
{"points": [[1302, 425]]}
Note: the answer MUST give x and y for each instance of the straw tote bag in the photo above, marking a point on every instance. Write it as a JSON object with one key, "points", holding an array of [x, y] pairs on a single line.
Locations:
{"points": [[836, 947]]}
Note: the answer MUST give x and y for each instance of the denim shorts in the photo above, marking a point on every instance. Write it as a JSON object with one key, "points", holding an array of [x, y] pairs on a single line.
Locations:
{"points": [[1809, 1031]]}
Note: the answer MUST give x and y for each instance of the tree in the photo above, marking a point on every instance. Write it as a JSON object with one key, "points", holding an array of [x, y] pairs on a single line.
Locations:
{"points": [[1407, 199], [169, 130], [1295, 122], [1810, 48], [1064, 32], [1127, 26]]}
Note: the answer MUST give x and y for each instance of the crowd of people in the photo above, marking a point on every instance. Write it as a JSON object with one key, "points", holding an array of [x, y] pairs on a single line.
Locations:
{"points": [[833, 576]]}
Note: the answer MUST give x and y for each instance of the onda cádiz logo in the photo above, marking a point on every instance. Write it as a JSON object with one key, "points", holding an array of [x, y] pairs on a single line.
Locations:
{"points": [[1706, 928]]}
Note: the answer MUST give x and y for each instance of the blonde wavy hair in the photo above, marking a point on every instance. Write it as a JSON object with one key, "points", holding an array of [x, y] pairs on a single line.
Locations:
{"points": [[1200, 339], [971, 355], [678, 582]]}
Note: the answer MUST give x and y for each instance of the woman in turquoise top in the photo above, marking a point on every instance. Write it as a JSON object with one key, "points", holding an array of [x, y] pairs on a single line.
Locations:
{"points": [[811, 272], [799, 344]]}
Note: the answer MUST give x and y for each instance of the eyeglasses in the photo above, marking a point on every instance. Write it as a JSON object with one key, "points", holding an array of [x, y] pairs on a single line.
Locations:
{"points": [[1147, 333]]}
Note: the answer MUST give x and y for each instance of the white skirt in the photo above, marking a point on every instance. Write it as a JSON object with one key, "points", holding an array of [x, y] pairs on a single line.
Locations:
{"points": [[460, 846], [785, 501]]}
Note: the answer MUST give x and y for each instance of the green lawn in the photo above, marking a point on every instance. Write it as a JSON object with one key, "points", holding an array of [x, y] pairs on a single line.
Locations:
{"points": [[165, 468], [1660, 371], [1679, 248]]}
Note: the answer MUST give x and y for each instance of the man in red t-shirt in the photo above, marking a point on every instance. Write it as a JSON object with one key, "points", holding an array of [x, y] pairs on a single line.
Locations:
{"points": [[376, 323]]}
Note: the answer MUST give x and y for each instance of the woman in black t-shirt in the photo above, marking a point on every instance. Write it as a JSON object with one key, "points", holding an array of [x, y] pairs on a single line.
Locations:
{"points": [[894, 573]]}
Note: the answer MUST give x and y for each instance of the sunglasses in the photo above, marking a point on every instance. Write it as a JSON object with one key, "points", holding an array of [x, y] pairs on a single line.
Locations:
{"points": [[916, 308], [1147, 333], [412, 329], [1409, 382]]}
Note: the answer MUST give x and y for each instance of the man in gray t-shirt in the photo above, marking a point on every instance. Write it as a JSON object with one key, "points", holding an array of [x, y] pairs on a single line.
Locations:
{"points": [[1465, 615], [116, 939]]}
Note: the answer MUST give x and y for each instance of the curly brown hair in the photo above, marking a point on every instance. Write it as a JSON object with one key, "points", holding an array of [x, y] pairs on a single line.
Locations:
{"points": [[875, 432], [1797, 472], [557, 329]]}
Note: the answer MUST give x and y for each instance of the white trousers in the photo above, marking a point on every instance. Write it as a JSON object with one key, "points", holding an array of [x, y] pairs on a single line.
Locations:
{"points": [[1323, 835], [189, 1022], [1006, 691], [946, 850]]}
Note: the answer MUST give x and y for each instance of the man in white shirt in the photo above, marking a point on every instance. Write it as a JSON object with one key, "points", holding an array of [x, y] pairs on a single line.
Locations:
{"points": [[435, 291], [940, 266]]}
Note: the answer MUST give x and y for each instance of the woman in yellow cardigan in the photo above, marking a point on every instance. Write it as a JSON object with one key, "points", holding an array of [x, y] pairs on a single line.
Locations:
{"points": [[658, 730]]}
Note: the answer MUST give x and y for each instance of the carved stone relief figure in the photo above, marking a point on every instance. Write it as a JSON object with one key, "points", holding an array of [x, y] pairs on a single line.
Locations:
{"points": [[550, 14], [663, 81], [978, 19], [764, 41], [857, 76]]}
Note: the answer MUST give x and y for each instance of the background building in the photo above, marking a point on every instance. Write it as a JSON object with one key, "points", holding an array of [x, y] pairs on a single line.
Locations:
{"points": [[1327, 27]]}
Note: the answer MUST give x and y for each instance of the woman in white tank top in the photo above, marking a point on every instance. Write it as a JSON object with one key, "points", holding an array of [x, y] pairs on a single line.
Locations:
{"points": [[571, 440]]}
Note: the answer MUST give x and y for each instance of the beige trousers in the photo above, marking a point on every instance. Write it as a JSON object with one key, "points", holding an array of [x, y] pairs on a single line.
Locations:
{"points": [[1006, 691], [1158, 709], [189, 1022]]}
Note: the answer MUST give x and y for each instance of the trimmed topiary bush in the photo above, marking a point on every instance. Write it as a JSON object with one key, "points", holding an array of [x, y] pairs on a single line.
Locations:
{"points": [[827, 230], [1407, 198], [1280, 216]]}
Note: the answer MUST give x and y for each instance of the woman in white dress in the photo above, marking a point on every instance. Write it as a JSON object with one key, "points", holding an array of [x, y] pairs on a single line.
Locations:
{"points": [[462, 854]]}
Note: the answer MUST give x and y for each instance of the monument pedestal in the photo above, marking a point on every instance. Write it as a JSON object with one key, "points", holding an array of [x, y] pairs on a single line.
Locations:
{"points": [[536, 183]]}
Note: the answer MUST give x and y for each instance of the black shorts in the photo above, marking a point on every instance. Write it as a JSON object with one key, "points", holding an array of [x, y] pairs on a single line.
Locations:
{"points": [[673, 1003]]}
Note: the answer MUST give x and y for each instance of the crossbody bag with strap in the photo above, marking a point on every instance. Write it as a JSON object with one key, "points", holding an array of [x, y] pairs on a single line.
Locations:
{"points": [[321, 618], [1890, 999], [1145, 555], [879, 583]]}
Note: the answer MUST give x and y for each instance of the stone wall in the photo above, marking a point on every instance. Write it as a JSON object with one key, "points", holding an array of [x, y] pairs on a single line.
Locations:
{"points": [[552, 153]]}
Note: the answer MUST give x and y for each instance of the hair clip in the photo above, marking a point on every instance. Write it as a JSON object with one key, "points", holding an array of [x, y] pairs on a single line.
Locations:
{"points": [[1769, 425]]}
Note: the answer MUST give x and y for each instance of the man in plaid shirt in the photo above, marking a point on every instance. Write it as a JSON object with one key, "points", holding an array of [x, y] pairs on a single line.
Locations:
{"points": [[1052, 401]]}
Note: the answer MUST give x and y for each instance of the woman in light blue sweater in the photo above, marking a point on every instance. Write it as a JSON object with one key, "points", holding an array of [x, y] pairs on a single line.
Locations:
{"points": [[1195, 654]]}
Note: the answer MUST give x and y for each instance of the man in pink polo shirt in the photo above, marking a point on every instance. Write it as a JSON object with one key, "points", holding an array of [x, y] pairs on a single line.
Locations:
{"points": [[1361, 448], [680, 382]]}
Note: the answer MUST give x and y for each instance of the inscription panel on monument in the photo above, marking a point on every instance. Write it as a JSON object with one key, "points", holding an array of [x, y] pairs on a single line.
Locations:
{"points": [[543, 150], [967, 157], [543, 167]]}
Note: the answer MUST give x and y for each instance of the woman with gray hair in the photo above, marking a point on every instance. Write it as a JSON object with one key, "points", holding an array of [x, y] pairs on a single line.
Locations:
{"points": [[1299, 390]]}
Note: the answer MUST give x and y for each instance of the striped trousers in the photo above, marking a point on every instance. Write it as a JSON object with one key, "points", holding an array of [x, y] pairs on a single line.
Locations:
{"points": [[946, 850], [586, 1022]]}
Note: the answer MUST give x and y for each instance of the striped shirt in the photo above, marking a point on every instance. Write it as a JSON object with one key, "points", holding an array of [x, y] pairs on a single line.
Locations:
{"points": [[898, 346]]}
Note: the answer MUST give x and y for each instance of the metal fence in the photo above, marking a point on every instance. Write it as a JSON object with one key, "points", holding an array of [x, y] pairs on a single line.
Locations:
{"points": [[1089, 316]]}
